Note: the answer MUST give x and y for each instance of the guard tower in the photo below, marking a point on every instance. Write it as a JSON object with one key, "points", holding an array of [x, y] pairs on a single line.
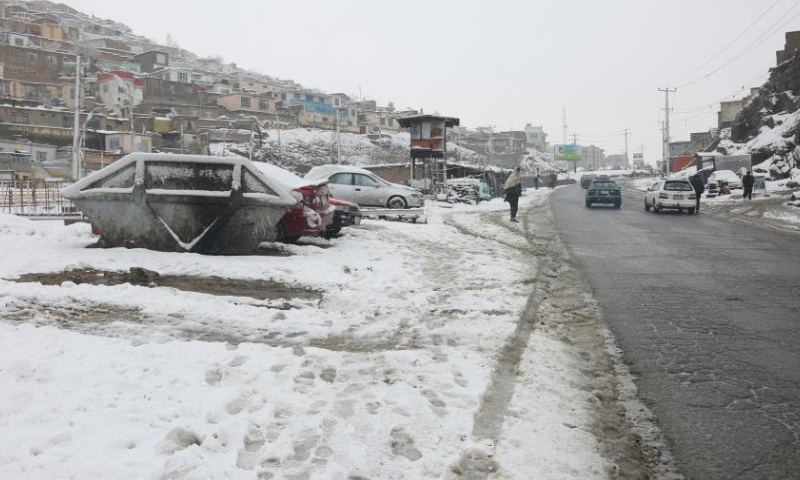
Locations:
{"points": [[429, 143]]}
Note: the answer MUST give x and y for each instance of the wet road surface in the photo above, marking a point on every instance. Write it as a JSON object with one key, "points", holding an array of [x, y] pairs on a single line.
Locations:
{"points": [[707, 314]]}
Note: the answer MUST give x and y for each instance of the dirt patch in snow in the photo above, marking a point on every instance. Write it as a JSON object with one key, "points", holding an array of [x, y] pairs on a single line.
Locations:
{"points": [[258, 289]]}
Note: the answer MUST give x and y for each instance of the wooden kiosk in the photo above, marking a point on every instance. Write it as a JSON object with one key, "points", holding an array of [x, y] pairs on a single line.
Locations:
{"points": [[429, 143]]}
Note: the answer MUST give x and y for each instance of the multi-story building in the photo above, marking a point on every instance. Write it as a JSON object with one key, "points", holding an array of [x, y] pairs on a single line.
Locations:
{"points": [[152, 60], [35, 65], [594, 157], [260, 105], [536, 137], [119, 89]]}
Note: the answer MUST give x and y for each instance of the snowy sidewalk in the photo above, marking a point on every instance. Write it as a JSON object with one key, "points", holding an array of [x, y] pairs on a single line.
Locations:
{"points": [[379, 376]]}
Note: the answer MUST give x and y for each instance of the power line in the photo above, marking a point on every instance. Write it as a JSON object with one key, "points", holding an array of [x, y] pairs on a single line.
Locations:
{"points": [[758, 41], [728, 45], [713, 104]]}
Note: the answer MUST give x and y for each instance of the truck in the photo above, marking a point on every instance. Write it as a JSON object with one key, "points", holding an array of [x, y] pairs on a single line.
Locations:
{"points": [[729, 162]]}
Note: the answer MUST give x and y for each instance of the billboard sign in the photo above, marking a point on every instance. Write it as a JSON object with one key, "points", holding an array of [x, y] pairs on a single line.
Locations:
{"points": [[569, 152]]}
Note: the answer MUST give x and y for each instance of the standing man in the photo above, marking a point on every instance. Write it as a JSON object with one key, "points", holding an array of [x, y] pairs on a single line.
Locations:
{"points": [[699, 188], [536, 179], [747, 182], [513, 190]]}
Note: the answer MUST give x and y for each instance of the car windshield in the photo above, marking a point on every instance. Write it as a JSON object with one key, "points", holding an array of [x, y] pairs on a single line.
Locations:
{"points": [[604, 185], [678, 186]]}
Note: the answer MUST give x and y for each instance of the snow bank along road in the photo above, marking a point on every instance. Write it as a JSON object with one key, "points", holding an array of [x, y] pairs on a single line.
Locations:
{"points": [[706, 313], [467, 347]]}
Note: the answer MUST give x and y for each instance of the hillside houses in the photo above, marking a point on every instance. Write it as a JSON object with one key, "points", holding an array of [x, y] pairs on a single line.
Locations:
{"points": [[172, 99]]}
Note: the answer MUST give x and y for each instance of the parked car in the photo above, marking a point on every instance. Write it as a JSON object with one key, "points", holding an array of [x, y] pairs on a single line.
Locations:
{"points": [[365, 188], [729, 176], [603, 177], [604, 191], [675, 194], [314, 212], [345, 214], [586, 180]]}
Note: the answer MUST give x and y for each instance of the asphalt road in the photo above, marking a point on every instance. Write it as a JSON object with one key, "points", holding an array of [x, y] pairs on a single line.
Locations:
{"points": [[707, 314]]}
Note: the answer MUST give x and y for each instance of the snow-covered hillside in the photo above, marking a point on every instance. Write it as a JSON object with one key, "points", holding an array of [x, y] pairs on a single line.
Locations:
{"points": [[299, 149]]}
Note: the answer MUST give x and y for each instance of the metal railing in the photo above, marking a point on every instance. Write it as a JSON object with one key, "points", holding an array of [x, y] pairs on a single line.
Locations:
{"points": [[35, 198]]}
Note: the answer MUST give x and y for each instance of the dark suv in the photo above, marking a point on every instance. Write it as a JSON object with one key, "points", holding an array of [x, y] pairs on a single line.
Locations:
{"points": [[604, 191], [587, 180]]}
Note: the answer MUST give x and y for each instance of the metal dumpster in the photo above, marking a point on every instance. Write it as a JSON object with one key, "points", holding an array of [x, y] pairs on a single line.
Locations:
{"points": [[183, 203]]}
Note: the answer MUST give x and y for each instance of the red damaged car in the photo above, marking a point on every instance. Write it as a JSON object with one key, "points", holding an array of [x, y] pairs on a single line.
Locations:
{"points": [[314, 212]]}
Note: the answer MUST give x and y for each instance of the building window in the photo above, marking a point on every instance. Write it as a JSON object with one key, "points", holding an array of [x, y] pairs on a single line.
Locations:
{"points": [[161, 59], [51, 61], [321, 99], [309, 98], [383, 122], [183, 77], [19, 42], [209, 115], [263, 105], [246, 102], [19, 117], [32, 58], [295, 95], [16, 55], [336, 101], [68, 122], [41, 157]]}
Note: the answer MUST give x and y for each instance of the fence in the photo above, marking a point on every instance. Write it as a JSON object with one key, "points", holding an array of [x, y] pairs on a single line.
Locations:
{"points": [[35, 198]]}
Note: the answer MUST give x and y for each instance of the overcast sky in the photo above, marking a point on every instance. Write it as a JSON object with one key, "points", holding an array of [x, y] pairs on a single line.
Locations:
{"points": [[502, 63]]}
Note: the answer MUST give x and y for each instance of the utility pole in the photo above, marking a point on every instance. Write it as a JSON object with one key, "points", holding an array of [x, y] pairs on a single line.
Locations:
{"points": [[76, 157], [663, 149], [626, 132], [575, 138], [666, 125]]}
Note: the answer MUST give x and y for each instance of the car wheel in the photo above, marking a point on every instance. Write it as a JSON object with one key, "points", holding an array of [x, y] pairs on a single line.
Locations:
{"points": [[655, 208], [617, 205], [646, 206], [690, 210], [397, 202], [588, 204]]}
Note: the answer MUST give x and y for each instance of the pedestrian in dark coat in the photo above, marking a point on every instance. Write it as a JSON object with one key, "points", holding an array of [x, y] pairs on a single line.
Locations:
{"points": [[553, 178], [747, 182], [513, 190], [699, 188]]}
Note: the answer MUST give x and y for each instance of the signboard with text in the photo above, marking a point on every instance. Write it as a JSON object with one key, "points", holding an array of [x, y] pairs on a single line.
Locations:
{"points": [[569, 152]]}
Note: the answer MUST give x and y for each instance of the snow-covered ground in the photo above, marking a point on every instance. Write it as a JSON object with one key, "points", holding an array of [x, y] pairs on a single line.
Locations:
{"points": [[380, 377]]}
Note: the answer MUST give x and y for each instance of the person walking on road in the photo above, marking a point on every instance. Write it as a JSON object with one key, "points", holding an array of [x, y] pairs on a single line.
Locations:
{"points": [[553, 178], [747, 182], [697, 184], [513, 190]]}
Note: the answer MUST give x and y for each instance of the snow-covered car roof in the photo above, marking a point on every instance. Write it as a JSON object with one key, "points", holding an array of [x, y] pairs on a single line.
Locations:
{"points": [[288, 178], [324, 171]]}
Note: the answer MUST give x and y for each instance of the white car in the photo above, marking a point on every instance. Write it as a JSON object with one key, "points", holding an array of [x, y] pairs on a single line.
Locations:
{"points": [[726, 176], [675, 194], [365, 188]]}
